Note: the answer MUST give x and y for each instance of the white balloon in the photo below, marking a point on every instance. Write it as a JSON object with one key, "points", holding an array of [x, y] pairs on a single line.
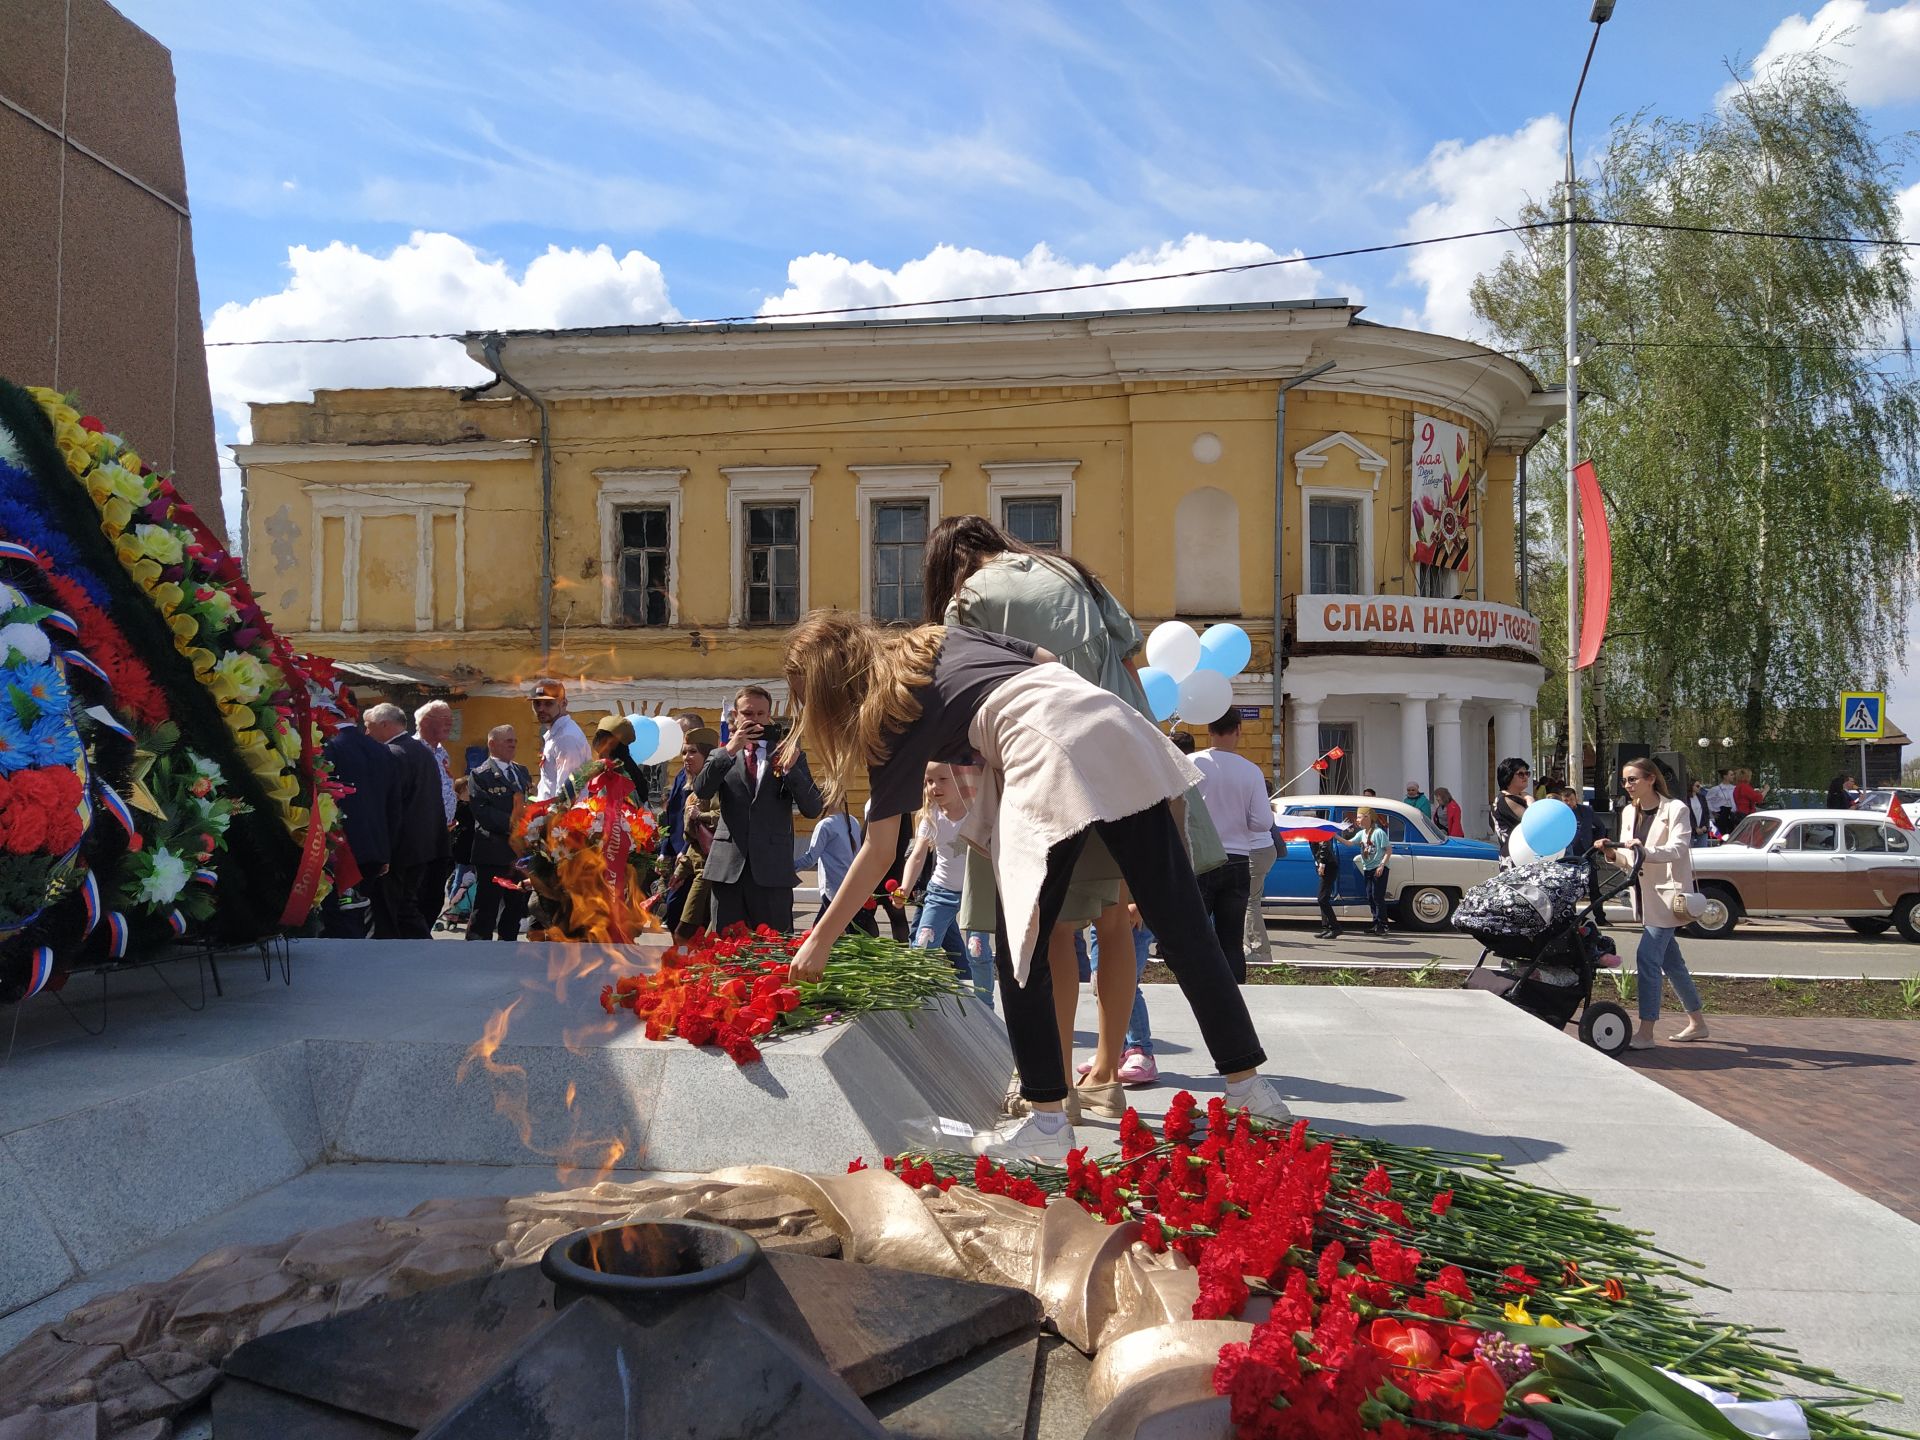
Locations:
{"points": [[1205, 696], [672, 739], [1521, 853], [1175, 648]]}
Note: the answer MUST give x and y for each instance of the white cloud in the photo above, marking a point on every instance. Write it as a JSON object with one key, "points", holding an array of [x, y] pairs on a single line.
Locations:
{"points": [[1876, 53], [1479, 184], [820, 282], [435, 283]]}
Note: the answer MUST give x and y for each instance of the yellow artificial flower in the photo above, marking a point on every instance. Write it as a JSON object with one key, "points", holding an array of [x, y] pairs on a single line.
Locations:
{"points": [[248, 675], [145, 573], [158, 542], [168, 596], [184, 627], [203, 662], [79, 459], [126, 483], [115, 516], [130, 463]]}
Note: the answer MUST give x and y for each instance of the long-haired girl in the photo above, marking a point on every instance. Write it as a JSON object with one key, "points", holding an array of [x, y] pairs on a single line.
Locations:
{"points": [[1062, 759]]}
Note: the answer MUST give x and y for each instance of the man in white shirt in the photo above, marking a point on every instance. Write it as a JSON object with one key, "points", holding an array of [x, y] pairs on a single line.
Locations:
{"points": [[564, 748], [1720, 801], [1236, 796]]}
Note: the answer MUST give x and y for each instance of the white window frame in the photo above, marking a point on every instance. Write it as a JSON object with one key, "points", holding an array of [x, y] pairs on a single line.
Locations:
{"points": [[354, 505], [766, 485], [1361, 500], [878, 484], [1033, 480], [636, 489]]}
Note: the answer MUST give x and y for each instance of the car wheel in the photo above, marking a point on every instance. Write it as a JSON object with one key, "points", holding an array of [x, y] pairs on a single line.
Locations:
{"points": [[1722, 910], [1427, 907], [1606, 1027], [1905, 917], [1868, 925]]}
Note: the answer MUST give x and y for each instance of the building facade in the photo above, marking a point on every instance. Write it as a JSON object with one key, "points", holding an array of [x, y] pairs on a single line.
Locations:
{"points": [[97, 283], [709, 485]]}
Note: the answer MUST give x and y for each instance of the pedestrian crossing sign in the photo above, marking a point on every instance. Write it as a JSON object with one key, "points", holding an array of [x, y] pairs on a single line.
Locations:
{"points": [[1863, 715]]}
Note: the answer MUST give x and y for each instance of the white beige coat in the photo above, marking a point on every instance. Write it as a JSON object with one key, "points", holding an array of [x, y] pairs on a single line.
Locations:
{"points": [[1666, 859]]}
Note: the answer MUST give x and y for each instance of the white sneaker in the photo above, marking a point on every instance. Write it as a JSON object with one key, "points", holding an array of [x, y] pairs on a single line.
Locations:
{"points": [[1023, 1139], [1261, 1099]]}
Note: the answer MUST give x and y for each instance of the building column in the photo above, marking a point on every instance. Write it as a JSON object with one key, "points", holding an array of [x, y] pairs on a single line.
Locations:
{"points": [[1512, 734], [1303, 734], [1449, 759], [1413, 745]]}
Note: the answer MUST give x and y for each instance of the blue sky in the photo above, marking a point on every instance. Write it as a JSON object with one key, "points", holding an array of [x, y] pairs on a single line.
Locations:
{"points": [[371, 168]]}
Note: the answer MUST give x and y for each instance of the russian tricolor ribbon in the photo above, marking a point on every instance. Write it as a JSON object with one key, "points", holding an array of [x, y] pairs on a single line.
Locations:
{"points": [[39, 969], [90, 898], [114, 805], [60, 620], [12, 551], [116, 935], [176, 922], [85, 662], [206, 877]]}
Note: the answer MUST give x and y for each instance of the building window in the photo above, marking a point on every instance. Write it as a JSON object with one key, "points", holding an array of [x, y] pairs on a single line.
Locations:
{"points": [[1334, 547], [1438, 582], [644, 560], [1036, 521], [772, 564], [1340, 774], [899, 544]]}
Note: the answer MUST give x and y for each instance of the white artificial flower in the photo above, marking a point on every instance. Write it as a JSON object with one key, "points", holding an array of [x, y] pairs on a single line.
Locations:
{"points": [[9, 597], [29, 640], [166, 879]]}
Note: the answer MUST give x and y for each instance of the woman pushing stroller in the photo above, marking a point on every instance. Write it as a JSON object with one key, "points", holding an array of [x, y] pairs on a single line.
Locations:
{"points": [[1062, 759]]}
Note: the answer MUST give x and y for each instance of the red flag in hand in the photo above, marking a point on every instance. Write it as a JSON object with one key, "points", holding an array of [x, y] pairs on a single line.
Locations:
{"points": [[1897, 813], [1336, 753]]}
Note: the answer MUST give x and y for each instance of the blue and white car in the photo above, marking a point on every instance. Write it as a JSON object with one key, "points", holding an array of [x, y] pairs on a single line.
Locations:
{"points": [[1426, 877]]}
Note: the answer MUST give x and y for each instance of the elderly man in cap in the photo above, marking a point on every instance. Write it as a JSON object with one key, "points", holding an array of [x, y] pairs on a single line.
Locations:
{"points": [[564, 748]]}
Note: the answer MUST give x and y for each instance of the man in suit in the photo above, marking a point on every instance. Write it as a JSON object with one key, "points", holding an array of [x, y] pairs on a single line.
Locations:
{"points": [[424, 841], [499, 899], [369, 817], [750, 867]]}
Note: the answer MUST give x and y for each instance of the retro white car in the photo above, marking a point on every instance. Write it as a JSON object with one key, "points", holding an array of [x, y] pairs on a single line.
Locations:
{"points": [[1426, 877], [1855, 865]]}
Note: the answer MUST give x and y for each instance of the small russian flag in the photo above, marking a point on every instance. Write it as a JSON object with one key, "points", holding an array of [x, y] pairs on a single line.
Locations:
{"points": [[116, 935], [90, 897], [1311, 830], [115, 806], [106, 718], [85, 662], [39, 969]]}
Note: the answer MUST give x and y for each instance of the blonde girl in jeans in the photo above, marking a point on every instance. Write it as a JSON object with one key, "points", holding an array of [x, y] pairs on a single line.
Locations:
{"points": [[1658, 827]]}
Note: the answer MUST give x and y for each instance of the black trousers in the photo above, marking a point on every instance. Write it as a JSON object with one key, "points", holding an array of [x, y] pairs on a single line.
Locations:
{"points": [[745, 903], [1153, 861], [433, 889], [1224, 890], [404, 886], [1329, 881], [497, 910], [379, 892], [862, 921]]}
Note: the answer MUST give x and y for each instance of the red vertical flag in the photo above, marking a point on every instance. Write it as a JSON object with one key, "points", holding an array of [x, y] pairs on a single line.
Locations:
{"points": [[1599, 566]]}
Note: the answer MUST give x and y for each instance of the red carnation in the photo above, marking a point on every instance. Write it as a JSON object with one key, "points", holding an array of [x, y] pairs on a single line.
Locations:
{"points": [[1441, 1201], [89, 422], [738, 1045]]}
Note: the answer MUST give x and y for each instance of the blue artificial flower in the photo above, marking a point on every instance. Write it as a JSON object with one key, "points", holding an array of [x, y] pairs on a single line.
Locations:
{"points": [[15, 747], [53, 741], [44, 686]]}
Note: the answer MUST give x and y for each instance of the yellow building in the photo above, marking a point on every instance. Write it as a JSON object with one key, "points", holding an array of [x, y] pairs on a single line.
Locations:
{"points": [[642, 509]]}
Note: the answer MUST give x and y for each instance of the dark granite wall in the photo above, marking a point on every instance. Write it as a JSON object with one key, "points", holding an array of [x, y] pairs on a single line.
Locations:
{"points": [[98, 293]]}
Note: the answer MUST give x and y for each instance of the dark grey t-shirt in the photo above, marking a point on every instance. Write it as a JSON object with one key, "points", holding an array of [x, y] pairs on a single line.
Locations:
{"points": [[972, 664]]}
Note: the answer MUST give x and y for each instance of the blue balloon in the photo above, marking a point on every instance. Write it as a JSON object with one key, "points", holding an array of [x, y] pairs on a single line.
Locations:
{"points": [[1548, 826], [646, 738], [1163, 691], [1226, 649]]}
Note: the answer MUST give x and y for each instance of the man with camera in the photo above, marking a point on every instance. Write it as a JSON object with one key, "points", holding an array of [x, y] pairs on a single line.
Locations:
{"points": [[750, 865]]}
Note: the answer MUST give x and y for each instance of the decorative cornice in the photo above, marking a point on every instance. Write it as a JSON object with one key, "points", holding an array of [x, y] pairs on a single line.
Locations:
{"points": [[468, 451]]}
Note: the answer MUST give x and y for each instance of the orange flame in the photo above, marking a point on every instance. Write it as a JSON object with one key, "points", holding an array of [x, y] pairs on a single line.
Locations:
{"points": [[509, 1082]]}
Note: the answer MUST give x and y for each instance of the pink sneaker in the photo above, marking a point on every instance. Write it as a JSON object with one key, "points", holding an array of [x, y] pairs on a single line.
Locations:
{"points": [[1085, 1067], [1137, 1068]]}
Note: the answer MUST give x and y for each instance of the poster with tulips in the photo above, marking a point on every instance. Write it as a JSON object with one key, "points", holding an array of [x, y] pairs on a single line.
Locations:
{"points": [[1441, 527]]}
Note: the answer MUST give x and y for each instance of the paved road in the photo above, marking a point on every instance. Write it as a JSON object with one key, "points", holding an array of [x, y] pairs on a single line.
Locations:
{"points": [[1760, 947]]}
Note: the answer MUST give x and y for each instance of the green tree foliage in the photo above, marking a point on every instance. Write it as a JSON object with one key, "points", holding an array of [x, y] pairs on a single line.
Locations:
{"points": [[1751, 406]]}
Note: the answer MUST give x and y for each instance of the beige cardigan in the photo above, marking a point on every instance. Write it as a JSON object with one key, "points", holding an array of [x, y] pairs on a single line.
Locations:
{"points": [[1666, 859]]}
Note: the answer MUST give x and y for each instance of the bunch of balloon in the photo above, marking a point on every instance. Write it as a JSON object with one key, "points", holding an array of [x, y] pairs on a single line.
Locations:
{"points": [[655, 740], [1545, 832], [1191, 675]]}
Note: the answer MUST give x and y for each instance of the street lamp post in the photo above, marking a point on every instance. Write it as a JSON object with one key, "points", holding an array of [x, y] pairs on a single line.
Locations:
{"points": [[1576, 769]]}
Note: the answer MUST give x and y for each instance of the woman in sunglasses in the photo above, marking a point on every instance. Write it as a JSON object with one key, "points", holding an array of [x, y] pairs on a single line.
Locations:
{"points": [[1658, 827]]}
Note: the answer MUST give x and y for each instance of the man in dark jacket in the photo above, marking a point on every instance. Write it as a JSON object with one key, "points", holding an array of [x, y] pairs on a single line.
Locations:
{"points": [[1326, 866], [750, 867], [370, 816], [499, 898], [423, 841]]}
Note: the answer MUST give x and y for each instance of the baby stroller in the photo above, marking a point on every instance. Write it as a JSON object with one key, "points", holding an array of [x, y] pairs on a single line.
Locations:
{"points": [[1538, 921]]}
